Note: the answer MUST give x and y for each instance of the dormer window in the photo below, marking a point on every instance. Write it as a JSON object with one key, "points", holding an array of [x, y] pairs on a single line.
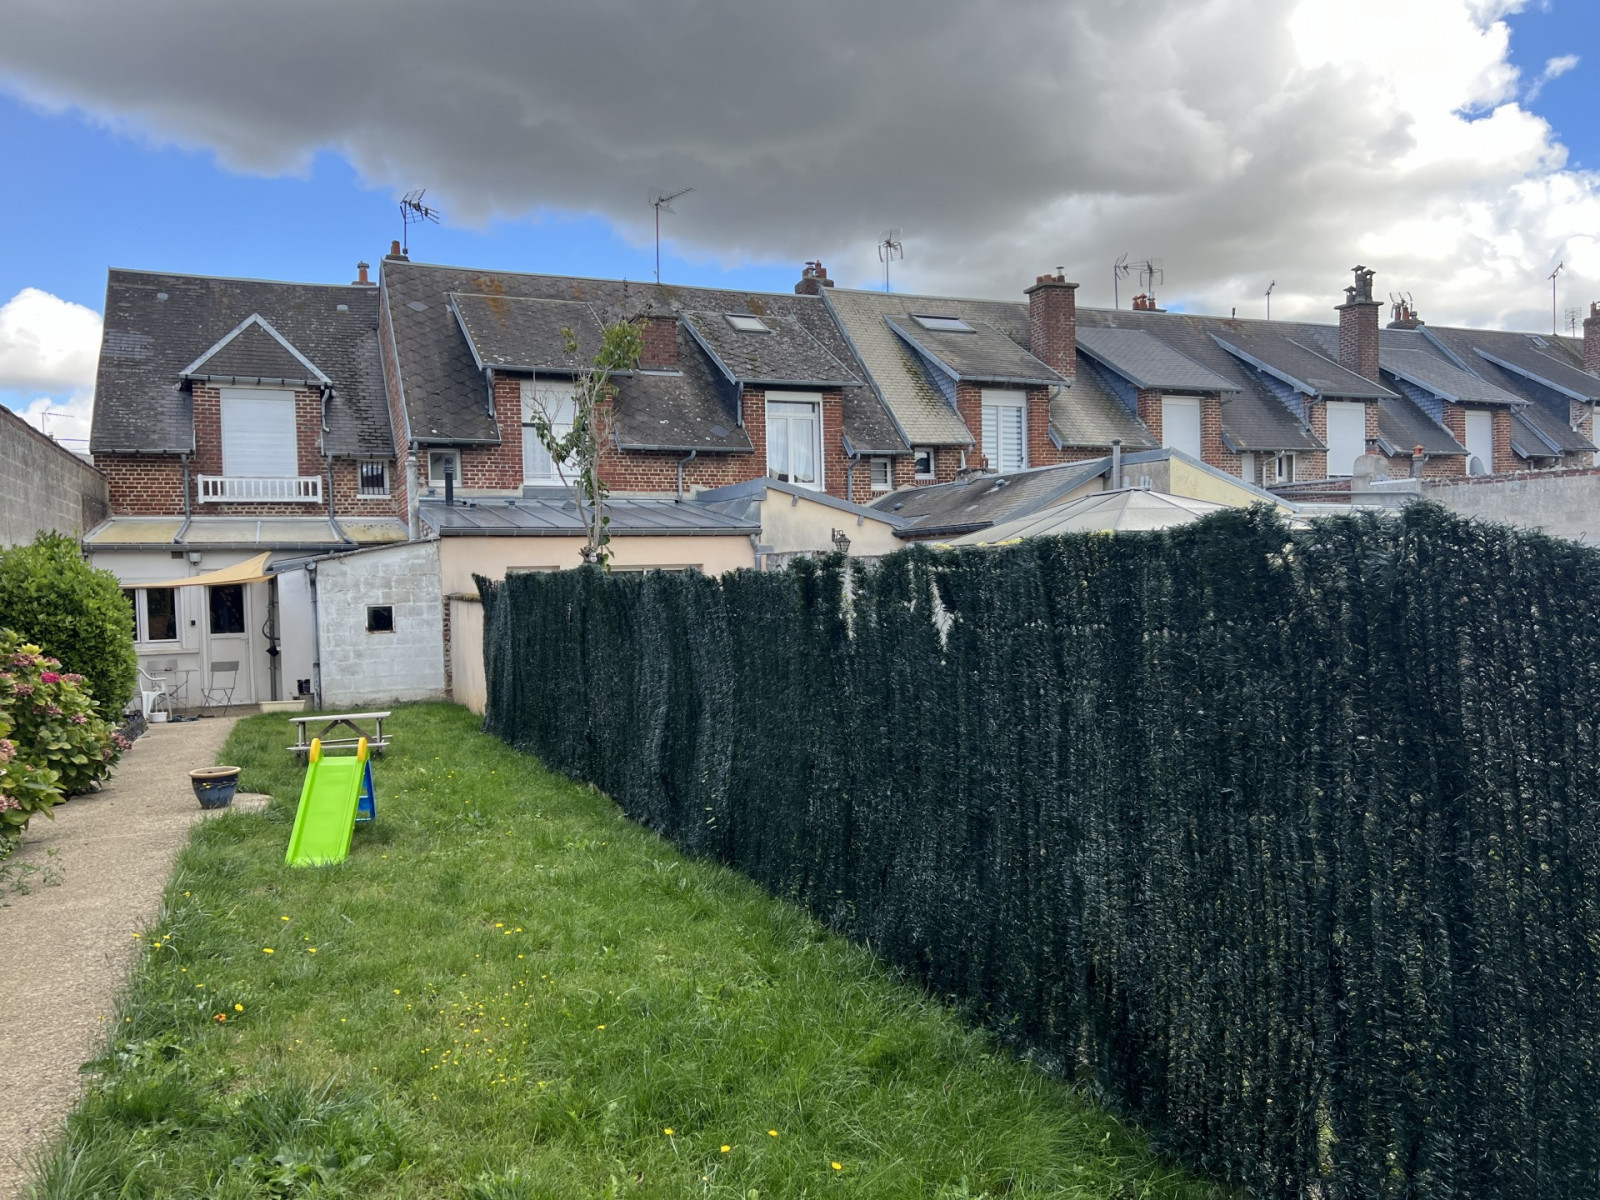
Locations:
{"points": [[745, 323], [258, 434], [935, 324]]}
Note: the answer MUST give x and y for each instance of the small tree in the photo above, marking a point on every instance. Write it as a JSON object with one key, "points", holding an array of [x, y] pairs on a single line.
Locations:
{"points": [[73, 612], [577, 452]]}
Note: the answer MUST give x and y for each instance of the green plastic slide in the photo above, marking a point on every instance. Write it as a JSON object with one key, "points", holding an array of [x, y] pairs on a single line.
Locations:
{"points": [[327, 815]]}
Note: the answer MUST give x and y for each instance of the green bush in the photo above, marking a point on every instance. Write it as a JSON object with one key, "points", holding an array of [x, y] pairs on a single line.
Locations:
{"points": [[52, 741], [74, 612]]}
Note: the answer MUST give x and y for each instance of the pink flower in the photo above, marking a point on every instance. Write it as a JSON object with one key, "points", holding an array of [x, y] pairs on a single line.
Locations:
{"points": [[24, 689], [8, 750], [53, 710], [49, 677], [7, 804], [79, 719], [51, 662], [122, 742], [72, 677]]}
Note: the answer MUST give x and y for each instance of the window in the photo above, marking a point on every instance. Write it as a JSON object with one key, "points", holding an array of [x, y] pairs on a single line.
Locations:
{"points": [[440, 461], [1278, 469], [227, 608], [380, 618], [372, 477], [155, 613], [1180, 424], [745, 323], [942, 324], [794, 442], [555, 400], [922, 461], [1005, 430], [882, 474], [258, 440]]}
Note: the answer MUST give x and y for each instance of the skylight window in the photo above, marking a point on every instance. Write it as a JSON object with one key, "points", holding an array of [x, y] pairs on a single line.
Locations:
{"points": [[942, 324], [745, 323]]}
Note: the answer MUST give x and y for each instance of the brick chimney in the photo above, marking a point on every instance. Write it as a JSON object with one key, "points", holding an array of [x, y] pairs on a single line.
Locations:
{"points": [[361, 279], [1053, 323], [1358, 327], [813, 278], [1591, 339], [660, 332], [394, 252]]}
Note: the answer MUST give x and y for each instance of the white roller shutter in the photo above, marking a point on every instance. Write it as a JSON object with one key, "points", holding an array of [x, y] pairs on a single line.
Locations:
{"points": [[258, 434], [1480, 437], [1005, 429], [1347, 435], [1180, 424]]}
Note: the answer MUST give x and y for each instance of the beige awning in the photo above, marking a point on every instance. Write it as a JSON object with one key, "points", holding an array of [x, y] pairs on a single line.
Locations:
{"points": [[251, 570]]}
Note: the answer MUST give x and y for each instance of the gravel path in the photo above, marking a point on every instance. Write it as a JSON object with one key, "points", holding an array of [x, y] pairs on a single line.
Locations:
{"points": [[66, 944]]}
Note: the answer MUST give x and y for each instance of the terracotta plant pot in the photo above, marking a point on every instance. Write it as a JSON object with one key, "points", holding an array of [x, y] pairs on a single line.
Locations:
{"points": [[214, 786]]}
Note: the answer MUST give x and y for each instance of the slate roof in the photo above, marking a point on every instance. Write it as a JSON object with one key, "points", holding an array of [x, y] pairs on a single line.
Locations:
{"points": [[255, 352], [1402, 426], [141, 404], [1145, 361], [445, 394], [1301, 364], [518, 334], [1517, 353], [1435, 374], [983, 356], [559, 517], [1086, 414], [1535, 424], [784, 355]]}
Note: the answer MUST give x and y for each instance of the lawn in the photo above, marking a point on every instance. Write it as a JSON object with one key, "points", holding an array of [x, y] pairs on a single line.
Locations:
{"points": [[511, 992]]}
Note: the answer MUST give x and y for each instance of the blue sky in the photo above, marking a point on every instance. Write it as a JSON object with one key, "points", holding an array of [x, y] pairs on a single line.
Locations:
{"points": [[89, 196]]}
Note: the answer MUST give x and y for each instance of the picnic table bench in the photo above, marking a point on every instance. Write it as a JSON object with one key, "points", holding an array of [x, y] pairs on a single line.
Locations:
{"points": [[332, 721]]}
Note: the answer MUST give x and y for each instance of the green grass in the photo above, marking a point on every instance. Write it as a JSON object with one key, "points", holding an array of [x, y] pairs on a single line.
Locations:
{"points": [[511, 992]]}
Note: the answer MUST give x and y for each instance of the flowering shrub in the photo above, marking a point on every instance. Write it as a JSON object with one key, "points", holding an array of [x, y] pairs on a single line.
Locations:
{"points": [[52, 741]]}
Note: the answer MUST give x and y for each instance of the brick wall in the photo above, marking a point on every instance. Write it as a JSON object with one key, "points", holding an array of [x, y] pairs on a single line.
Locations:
{"points": [[207, 459], [1504, 458], [143, 484], [1313, 464], [1150, 413], [969, 406], [1213, 451], [1053, 324], [660, 335], [347, 500], [1358, 338]]}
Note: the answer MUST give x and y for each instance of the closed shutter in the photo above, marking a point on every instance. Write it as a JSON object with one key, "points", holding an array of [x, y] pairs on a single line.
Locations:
{"points": [[1347, 435], [1180, 424], [1480, 437], [258, 438], [1005, 431]]}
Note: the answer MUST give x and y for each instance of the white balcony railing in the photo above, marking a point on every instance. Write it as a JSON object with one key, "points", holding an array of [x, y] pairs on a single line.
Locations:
{"points": [[245, 489]]}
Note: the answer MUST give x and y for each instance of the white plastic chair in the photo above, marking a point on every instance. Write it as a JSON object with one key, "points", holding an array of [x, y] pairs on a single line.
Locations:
{"points": [[153, 692]]}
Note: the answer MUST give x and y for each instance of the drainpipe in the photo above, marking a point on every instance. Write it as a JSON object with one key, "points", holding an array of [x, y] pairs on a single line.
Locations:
{"points": [[488, 380], [188, 509], [411, 492], [316, 637], [850, 476], [1116, 464], [693, 454]]}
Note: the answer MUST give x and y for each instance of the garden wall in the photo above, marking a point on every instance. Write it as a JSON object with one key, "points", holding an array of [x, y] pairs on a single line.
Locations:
{"points": [[1287, 844]]}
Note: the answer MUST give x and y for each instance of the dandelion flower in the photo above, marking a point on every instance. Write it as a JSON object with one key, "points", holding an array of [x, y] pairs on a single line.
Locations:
{"points": [[772, 1133], [311, 949], [725, 1149], [667, 1131], [836, 1166], [238, 1008], [599, 1026], [267, 950], [283, 918]]}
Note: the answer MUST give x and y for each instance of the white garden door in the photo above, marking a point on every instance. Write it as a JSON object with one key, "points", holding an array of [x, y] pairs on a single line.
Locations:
{"points": [[1480, 438], [1347, 435], [1180, 424]]}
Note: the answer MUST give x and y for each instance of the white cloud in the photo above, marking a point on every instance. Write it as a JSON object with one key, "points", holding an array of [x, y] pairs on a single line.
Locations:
{"points": [[67, 420], [47, 343], [1239, 140], [1554, 68]]}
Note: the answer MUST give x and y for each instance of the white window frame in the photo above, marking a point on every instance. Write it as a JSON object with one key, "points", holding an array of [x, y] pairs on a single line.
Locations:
{"points": [[886, 465], [361, 488], [141, 616], [1281, 467], [781, 406], [534, 453], [438, 481], [994, 401], [933, 462], [232, 468]]}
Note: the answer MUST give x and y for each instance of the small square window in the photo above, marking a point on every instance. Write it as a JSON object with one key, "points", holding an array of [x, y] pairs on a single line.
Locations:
{"points": [[440, 461], [745, 323], [380, 618], [942, 324], [922, 458], [372, 477], [882, 474]]}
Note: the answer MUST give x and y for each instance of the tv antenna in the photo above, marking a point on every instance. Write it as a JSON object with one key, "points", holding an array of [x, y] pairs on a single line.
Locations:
{"points": [[1573, 316], [889, 250], [1120, 270], [1555, 323], [1270, 286], [413, 212], [1150, 274], [662, 203]]}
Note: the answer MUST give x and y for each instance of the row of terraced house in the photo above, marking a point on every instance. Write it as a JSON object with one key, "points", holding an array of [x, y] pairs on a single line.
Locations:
{"points": [[304, 479]]}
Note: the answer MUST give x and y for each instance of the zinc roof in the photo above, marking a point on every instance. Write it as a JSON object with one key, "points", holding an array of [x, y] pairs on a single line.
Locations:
{"points": [[559, 517]]}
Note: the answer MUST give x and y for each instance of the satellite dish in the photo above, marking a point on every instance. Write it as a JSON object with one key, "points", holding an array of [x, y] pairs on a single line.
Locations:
{"points": [[1475, 466]]}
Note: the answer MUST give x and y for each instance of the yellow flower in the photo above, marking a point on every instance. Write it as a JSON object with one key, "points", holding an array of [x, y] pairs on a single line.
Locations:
{"points": [[836, 1166], [266, 950], [238, 1008], [725, 1149], [667, 1131], [772, 1133], [283, 918], [599, 1026]]}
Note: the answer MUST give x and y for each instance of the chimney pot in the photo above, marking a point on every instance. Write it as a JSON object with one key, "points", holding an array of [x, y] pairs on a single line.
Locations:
{"points": [[395, 253], [813, 278], [1591, 339], [361, 274]]}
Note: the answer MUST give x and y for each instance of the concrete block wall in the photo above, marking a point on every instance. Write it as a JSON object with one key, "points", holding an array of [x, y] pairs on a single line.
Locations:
{"points": [[44, 486], [360, 669]]}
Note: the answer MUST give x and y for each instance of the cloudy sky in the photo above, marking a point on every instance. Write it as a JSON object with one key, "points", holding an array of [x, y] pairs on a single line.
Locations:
{"points": [[1447, 143]]}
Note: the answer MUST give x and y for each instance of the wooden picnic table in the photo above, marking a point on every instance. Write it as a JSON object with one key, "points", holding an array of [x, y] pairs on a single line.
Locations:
{"points": [[332, 721]]}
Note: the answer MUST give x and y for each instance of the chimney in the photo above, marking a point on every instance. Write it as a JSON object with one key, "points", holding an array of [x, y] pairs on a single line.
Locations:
{"points": [[1053, 323], [1358, 327], [1591, 339], [660, 332], [361, 279], [1418, 460], [813, 278], [394, 252], [1402, 315]]}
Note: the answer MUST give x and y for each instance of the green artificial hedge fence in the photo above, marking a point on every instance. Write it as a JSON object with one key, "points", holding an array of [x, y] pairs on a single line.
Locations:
{"points": [[1286, 843]]}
